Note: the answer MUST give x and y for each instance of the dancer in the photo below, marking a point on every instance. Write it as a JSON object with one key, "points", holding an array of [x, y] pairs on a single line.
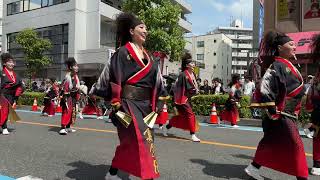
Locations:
{"points": [[93, 107], [185, 87], [50, 99], [136, 84], [71, 96], [280, 93], [231, 113], [11, 89], [313, 100]]}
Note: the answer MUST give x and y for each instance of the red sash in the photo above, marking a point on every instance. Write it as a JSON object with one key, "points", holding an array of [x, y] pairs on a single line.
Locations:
{"points": [[295, 73], [189, 78], [13, 79], [145, 68]]}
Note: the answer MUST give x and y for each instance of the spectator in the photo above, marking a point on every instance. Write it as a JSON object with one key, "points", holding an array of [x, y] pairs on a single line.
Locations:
{"points": [[35, 87], [249, 86], [199, 82], [205, 89], [308, 84], [217, 86], [42, 87]]}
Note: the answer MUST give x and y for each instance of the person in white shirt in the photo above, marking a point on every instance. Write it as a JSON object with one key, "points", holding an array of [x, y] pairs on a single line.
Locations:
{"points": [[83, 98], [249, 87]]}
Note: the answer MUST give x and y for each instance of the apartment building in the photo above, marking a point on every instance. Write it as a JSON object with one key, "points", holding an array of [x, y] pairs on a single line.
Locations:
{"points": [[83, 29], [242, 49], [213, 56]]}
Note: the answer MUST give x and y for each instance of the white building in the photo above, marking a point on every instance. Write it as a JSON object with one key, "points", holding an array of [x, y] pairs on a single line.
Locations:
{"points": [[83, 29], [212, 54], [242, 50]]}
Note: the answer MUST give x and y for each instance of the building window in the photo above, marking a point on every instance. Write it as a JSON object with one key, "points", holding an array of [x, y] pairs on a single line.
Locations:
{"points": [[35, 4], [28, 5], [200, 56], [200, 44], [58, 35]]}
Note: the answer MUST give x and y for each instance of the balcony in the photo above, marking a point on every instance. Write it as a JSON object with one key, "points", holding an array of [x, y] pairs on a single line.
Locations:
{"points": [[239, 63], [242, 46], [185, 25], [94, 56], [186, 8], [239, 54], [108, 11]]}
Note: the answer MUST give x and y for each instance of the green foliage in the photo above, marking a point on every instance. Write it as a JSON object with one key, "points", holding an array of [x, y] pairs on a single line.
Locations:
{"points": [[27, 98], [161, 18], [34, 47], [304, 117], [202, 104]]}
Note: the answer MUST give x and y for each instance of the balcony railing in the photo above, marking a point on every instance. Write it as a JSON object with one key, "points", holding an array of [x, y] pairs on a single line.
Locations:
{"points": [[110, 3]]}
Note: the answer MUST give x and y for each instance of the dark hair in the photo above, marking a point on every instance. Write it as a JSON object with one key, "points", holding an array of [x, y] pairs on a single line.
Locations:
{"points": [[235, 78], [52, 80], [315, 47], [5, 57], [186, 59], [70, 62], [269, 48], [125, 22]]}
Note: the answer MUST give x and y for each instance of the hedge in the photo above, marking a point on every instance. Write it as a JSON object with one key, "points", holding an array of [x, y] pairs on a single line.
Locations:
{"points": [[27, 98], [201, 104]]}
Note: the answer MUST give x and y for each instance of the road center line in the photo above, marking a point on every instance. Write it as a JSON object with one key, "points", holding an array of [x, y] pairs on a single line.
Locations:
{"points": [[170, 138]]}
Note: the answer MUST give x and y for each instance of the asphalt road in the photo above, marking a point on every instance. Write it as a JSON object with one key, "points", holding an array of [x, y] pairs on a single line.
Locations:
{"points": [[35, 148]]}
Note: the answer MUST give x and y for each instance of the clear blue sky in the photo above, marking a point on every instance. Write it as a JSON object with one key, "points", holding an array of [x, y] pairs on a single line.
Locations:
{"points": [[209, 14]]}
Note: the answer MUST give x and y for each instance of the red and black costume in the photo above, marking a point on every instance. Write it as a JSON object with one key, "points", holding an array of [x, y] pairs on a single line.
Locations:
{"points": [[231, 113], [136, 84], [49, 100], [185, 87], [11, 89], [92, 107], [281, 147], [70, 98]]}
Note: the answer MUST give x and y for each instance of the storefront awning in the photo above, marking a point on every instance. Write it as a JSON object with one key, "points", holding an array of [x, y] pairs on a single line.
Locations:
{"points": [[303, 41]]}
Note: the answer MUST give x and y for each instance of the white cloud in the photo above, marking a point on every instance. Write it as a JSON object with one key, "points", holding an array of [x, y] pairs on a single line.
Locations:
{"points": [[240, 8], [218, 6], [236, 8]]}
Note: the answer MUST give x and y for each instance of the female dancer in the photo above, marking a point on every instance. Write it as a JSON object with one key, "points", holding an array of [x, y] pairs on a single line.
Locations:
{"points": [[280, 93]]}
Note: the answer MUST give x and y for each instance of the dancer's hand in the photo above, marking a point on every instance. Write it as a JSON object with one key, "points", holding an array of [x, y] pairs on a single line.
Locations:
{"points": [[116, 105]]}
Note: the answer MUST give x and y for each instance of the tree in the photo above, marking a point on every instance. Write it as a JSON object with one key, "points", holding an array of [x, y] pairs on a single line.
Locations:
{"points": [[162, 18], [34, 48]]}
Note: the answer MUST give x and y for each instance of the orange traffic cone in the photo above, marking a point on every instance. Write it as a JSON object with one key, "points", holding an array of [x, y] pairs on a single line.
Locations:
{"points": [[214, 116], [164, 112], [163, 115], [35, 105], [58, 108]]}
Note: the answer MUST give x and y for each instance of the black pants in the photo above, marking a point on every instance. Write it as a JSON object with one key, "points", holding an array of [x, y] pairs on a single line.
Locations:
{"points": [[4, 126], [67, 126], [258, 166]]}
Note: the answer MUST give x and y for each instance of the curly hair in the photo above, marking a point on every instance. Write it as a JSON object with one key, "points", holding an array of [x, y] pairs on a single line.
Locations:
{"points": [[125, 22], [5, 57], [71, 61], [186, 59], [315, 47]]}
